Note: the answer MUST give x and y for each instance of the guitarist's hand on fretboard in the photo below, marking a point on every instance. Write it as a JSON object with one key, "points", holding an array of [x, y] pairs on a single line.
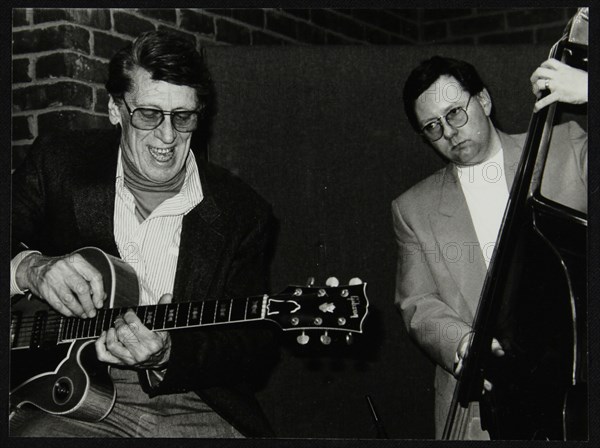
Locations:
{"points": [[70, 284], [131, 343]]}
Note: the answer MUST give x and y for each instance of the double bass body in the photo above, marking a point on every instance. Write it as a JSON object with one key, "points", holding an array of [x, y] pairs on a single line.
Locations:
{"points": [[534, 302]]}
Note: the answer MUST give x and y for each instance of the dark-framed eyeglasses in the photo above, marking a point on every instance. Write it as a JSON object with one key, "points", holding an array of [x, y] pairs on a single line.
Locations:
{"points": [[146, 118], [456, 118]]}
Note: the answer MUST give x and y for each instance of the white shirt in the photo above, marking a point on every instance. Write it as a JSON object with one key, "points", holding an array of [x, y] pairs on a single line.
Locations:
{"points": [[152, 246], [486, 192]]}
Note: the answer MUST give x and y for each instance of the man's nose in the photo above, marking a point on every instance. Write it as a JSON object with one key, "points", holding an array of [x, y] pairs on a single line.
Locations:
{"points": [[449, 130], [165, 131]]}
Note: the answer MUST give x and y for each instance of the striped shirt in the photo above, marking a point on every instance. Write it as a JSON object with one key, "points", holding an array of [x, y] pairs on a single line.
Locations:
{"points": [[152, 246]]}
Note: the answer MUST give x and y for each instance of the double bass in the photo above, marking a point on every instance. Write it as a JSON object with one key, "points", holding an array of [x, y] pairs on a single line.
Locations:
{"points": [[533, 301]]}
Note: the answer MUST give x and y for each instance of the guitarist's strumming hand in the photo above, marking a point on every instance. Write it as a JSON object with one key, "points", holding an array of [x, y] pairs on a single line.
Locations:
{"points": [[70, 284], [130, 343]]}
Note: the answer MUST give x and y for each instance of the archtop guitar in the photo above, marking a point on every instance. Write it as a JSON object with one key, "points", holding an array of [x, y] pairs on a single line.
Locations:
{"points": [[53, 358]]}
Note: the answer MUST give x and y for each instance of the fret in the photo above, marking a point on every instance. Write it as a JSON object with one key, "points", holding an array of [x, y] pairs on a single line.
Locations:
{"points": [[159, 318], [68, 328], [99, 322], [222, 311], [63, 328], [255, 308], [78, 324], [86, 328], [141, 313], [149, 314], [52, 336], [187, 317], [209, 308], [237, 311], [94, 324], [170, 315], [183, 310], [108, 319], [195, 313]]}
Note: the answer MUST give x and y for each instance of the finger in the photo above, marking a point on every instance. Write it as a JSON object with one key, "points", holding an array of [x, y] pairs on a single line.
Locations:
{"points": [[141, 342], [117, 349], [54, 301], [459, 367], [102, 353], [165, 298], [81, 290], [543, 84], [497, 348], [355, 281], [94, 278], [547, 100], [139, 332], [127, 332], [541, 73], [332, 282], [552, 64], [69, 300]]}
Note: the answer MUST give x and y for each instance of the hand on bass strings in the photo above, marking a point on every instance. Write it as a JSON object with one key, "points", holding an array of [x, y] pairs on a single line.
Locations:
{"points": [[564, 83], [131, 343], [70, 284], [463, 350]]}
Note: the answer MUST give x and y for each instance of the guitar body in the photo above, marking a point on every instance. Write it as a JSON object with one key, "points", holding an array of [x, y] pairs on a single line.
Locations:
{"points": [[67, 378]]}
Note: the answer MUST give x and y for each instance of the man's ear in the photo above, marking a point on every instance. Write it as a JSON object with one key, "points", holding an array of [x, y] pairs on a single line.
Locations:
{"points": [[114, 114], [485, 100]]}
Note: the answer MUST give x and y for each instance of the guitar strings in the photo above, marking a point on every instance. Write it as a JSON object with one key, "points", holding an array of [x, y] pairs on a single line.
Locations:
{"points": [[23, 327]]}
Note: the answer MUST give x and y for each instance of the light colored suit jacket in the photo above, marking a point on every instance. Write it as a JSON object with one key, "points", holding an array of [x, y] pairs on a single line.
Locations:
{"points": [[441, 269]]}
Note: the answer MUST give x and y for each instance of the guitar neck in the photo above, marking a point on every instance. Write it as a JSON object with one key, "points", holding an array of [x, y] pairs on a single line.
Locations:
{"points": [[49, 327], [170, 316]]}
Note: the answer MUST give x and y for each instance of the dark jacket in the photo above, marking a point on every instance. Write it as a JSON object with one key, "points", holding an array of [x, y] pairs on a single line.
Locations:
{"points": [[63, 199]]}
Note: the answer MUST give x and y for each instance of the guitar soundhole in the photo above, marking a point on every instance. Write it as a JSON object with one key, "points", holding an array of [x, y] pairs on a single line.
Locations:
{"points": [[62, 391]]}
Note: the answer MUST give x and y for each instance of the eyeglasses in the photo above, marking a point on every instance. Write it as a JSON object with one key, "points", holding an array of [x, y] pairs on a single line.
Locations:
{"points": [[456, 118], [146, 119]]}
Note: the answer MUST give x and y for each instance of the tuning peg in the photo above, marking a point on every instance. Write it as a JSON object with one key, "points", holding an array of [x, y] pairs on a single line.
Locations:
{"points": [[310, 281], [325, 339], [355, 281], [303, 338], [332, 282], [349, 338]]}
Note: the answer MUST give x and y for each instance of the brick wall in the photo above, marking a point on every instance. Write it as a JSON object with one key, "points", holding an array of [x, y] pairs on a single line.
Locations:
{"points": [[60, 56], [493, 25]]}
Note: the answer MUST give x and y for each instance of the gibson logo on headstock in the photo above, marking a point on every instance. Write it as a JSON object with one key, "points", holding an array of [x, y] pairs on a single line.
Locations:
{"points": [[354, 302]]}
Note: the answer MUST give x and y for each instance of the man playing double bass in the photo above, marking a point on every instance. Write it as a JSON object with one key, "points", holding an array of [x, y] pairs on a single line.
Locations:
{"points": [[463, 205]]}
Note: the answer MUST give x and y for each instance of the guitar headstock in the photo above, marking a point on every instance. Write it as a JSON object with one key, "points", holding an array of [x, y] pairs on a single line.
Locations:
{"points": [[328, 309]]}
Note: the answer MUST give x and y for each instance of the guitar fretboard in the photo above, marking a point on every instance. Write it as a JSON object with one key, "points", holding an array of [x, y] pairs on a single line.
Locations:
{"points": [[49, 327]]}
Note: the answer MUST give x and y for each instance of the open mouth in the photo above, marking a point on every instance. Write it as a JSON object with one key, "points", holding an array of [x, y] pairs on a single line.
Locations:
{"points": [[162, 154]]}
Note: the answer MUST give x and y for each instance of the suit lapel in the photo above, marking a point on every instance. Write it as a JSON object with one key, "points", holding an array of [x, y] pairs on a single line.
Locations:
{"points": [[512, 149], [453, 229], [201, 245], [94, 194]]}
